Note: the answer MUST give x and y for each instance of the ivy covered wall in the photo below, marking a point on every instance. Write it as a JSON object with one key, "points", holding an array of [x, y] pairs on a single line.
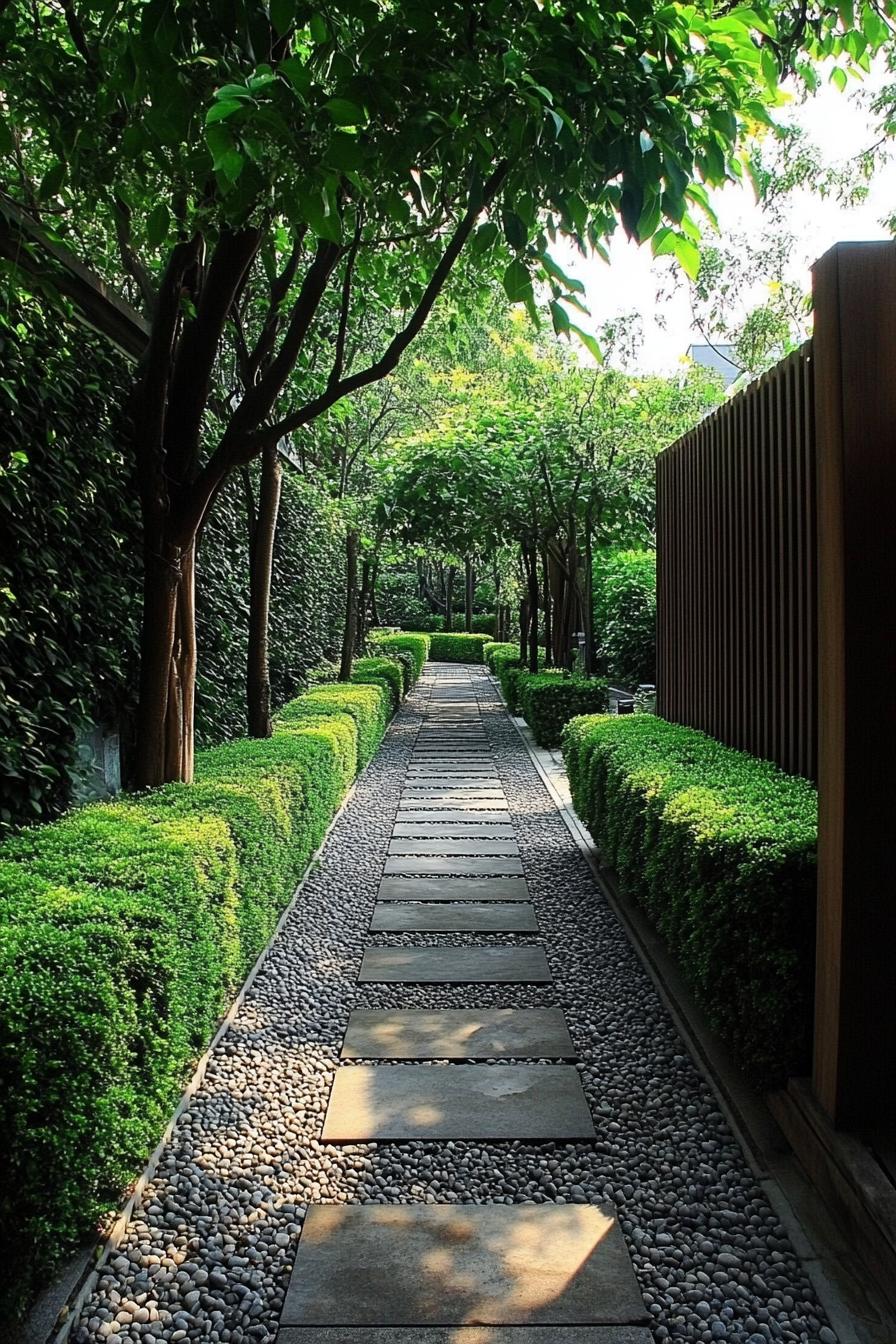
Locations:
{"points": [[70, 551]]}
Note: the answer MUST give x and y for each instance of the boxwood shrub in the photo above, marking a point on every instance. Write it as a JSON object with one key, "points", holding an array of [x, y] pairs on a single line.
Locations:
{"points": [[494, 650], [416, 644], [506, 665], [125, 928], [549, 700], [719, 849], [457, 648], [381, 671]]}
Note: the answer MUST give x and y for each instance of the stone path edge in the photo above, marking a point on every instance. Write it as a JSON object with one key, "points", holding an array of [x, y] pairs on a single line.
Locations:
{"points": [[58, 1307], [751, 1122]]}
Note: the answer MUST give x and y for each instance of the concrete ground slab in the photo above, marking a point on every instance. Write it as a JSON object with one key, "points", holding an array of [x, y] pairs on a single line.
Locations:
{"points": [[463, 865], [462, 917], [454, 966], [453, 889], [458, 1101], [457, 1033], [461, 830], [407, 845], [453, 816], [466, 1334]]}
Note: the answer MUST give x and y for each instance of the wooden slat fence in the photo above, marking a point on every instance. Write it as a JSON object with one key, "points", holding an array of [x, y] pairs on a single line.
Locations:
{"points": [[737, 630]]}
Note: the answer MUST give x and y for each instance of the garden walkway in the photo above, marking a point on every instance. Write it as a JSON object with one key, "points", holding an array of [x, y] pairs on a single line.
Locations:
{"points": [[454, 1078]]}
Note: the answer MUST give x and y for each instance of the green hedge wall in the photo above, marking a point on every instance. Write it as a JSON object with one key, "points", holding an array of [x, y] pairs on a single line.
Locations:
{"points": [[549, 700], [459, 648], [383, 671], [125, 929], [494, 650], [417, 645], [70, 547], [719, 849]]}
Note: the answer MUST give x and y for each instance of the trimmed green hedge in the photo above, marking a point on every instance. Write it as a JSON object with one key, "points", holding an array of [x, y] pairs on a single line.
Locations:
{"points": [[367, 705], [457, 648], [549, 700], [415, 644], [386, 672], [494, 650], [125, 929], [719, 849], [506, 666]]}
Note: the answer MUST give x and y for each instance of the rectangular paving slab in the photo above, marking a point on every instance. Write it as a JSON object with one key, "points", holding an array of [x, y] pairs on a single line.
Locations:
{"points": [[456, 802], [457, 1101], [465, 1334], [462, 830], [524, 1267], [462, 865], [453, 816], [404, 845], [454, 966], [453, 889], [457, 1033], [485, 782], [463, 917]]}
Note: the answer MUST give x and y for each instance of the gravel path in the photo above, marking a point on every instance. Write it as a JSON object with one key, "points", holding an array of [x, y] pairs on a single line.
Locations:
{"points": [[208, 1255]]}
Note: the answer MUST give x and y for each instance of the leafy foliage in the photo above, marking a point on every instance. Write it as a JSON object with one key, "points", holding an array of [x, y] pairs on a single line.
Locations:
{"points": [[415, 644], [124, 930], [451, 648], [719, 849], [549, 700], [386, 672], [625, 614]]}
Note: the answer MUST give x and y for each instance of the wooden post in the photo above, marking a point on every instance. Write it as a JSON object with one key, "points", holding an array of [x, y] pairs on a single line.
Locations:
{"points": [[855, 404]]}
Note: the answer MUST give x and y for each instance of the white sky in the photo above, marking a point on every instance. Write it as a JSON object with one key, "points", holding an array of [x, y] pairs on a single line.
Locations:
{"points": [[841, 128]]}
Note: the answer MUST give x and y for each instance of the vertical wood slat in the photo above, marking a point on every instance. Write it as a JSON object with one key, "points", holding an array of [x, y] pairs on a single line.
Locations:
{"points": [[736, 587]]}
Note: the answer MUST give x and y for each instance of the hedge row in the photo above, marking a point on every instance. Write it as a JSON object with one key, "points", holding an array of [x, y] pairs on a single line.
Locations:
{"points": [[458, 648], [125, 929], [550, 699], [417, 645], [719, 849]]}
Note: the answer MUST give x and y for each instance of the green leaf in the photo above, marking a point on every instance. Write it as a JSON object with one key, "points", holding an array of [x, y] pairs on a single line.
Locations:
{"points": [[158, 224], [318, 28], [838, 78], [345, 113], [345, 152], [557, 273], [483, 238], [517, 282], [560, 318], [514, 229], [220, 111], [687, 254], [51, 181], [589, 342], [283, 13]]}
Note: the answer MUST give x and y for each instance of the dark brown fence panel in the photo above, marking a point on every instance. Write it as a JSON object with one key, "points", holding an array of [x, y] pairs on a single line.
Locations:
{"points": [[736, 593]]}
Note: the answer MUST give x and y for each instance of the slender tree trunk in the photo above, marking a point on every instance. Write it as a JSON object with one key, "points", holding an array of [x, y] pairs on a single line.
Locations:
{"points": [[524, 630], [351, 605], [548, 611], [499, 610], [261, 563], [374, 608], [588, 596], [449, 597], [469, 589], [530, 556], [165, 720], [363, 604]]}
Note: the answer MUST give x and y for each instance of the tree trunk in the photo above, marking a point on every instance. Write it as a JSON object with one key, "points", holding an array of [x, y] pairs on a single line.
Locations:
{"points": [[548, 613], [374, 609], [588, 597], [499, 610], [469, 588], [165, 719], [524, 630], [449, 597], [351, 605], [261, 562], [530, 555], [363, 604]]}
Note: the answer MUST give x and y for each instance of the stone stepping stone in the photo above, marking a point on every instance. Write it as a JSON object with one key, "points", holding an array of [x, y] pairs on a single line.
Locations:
{"points": [[465, 1334], [453, 889], [445, 917], [454, 966], [444, 769], [405, 846], [462, 865], [430, 1267], [484, 783], [396, 1102], [461, 830], [455, 817], [457, 802], [457, 1033]]}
